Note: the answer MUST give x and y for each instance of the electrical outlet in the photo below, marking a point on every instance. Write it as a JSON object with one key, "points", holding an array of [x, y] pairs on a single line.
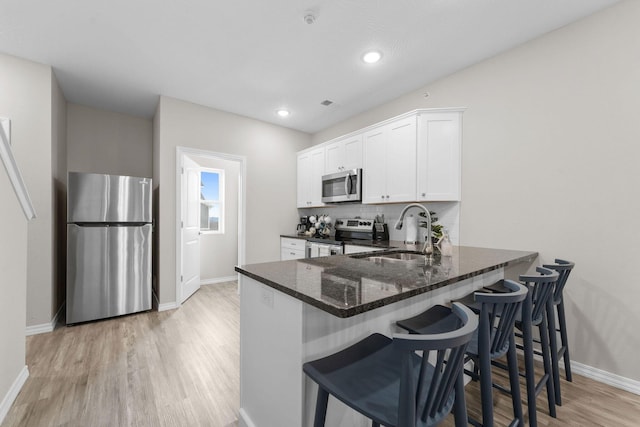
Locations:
{"points": [[267, 297]]}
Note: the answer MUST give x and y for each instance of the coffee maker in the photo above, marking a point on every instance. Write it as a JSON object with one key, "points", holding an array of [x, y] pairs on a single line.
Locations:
{"points": [[303, 225]]}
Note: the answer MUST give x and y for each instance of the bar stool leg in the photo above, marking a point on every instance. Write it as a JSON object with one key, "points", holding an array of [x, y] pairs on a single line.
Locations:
{"points": [[546, 360], [486, 389], [553, 343], [527, 341], [514, 380], [460, 406], [321, 407], [565, 342]]}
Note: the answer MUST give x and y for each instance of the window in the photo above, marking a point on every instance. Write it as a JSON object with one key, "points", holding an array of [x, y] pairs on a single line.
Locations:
{"points": [[212, 201]]}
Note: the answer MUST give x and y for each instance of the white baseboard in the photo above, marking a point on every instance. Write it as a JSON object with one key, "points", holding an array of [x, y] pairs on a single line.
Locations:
{"points": [[43, 328], [244, 420], [605, 377], [219, 280], [168, 306], [11, 395]]}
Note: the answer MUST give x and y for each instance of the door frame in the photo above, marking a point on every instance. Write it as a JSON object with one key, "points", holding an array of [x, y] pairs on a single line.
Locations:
{"points": [[242, 203]]}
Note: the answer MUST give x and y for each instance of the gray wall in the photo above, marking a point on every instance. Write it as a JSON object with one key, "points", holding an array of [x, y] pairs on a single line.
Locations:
{"points": [[59, 174], [102, 141], [550, 163], [26, 93], [36, 106], [271, 176]]}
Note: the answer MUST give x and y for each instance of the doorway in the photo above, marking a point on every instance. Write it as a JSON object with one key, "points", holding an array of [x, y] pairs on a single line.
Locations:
{"points": [[210, 218]]}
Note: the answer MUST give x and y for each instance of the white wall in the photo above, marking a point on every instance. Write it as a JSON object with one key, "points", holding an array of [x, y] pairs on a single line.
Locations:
{"points": [[59, 208], [219, 252], [102, 141], [550, 163], [271, 176], [26, 99]]}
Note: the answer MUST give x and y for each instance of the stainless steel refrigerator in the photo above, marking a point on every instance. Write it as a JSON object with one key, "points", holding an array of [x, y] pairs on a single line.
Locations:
{"points": [[109, 230]]}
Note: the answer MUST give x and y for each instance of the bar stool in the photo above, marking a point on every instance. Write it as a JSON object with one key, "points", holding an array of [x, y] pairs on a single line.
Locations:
{"points": [[386, 381], [494, 339], [557, 305], [534, 313]]}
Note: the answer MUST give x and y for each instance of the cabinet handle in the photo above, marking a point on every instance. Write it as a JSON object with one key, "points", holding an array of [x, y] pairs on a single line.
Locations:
{"points": [[292, 253], [424, 194], [382, 196], [387, 196]]}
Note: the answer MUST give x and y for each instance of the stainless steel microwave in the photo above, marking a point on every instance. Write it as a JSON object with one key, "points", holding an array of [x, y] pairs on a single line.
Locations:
{"points": [[344, 186]]}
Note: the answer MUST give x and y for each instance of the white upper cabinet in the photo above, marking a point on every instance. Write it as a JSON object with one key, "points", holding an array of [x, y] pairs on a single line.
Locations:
{"points": [[310, 171], [412, 157], [438, 170], [389, 165], [344, 154]]}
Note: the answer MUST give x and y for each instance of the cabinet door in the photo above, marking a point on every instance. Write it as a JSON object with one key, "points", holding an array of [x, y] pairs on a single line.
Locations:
{"points": [[334, 153], [310, 171], [316, 172], [288, 254], [374, 171], [304, 180], [344, 154], [352, 153], [401, 161], [439, 136]]}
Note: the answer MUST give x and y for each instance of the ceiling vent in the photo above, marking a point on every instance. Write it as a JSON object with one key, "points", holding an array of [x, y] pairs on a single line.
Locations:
{"points": [[326, 102]]}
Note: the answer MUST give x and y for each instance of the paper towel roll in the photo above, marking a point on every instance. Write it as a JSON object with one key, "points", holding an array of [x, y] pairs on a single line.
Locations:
{"points": [[411, 229]]}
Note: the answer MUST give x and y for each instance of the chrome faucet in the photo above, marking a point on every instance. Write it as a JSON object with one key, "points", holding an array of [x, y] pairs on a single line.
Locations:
{"points": [[427, 249]]}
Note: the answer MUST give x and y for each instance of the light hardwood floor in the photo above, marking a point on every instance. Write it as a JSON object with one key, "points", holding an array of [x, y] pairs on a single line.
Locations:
{"points": [[181, 368], [171, 368]]}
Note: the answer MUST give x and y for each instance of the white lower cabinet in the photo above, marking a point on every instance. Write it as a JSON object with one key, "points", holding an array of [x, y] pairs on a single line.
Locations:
{"points": [[291, 248]]}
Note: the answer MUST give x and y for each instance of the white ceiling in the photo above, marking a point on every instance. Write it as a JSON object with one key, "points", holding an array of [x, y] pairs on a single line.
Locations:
{"points": [[252, 57]]}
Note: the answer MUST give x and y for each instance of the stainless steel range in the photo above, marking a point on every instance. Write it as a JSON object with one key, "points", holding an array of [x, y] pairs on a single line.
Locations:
{"points": [[348, 229], [354, 229]]}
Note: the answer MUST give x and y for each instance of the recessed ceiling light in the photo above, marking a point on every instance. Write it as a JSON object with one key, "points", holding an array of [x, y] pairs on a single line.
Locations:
{"points": [[372, 57], [282, 112]]}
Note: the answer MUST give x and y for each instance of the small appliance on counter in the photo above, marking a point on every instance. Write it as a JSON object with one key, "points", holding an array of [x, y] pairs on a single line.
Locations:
{"points": [[303, 225], [380, 229]]}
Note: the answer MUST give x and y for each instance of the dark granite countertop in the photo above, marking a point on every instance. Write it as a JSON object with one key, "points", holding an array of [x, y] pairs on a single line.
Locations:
{"points": [[347, 285]]}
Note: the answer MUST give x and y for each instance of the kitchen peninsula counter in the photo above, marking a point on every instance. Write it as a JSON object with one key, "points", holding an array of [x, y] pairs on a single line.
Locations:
{"points": [[321, 282], [295, 311]]}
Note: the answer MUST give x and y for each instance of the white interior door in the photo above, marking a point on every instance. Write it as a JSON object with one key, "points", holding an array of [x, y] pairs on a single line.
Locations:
{"points": [[190, 277]]}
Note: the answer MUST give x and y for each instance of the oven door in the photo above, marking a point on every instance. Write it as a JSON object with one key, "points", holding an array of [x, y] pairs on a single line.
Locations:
{"points": [[342, 187]]}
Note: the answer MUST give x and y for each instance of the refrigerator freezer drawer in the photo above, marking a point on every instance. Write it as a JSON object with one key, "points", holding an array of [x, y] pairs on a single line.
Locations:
{"points": [[95, 197], [108, 271]]}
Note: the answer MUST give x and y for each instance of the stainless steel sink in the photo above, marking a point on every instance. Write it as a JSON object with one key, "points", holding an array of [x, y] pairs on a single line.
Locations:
{"points": [[405, 256], [408, 258]]}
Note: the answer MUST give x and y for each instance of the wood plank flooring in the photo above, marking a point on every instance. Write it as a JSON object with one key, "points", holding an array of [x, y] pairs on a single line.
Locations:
{"points": [[181, 368], [172, 368]]}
